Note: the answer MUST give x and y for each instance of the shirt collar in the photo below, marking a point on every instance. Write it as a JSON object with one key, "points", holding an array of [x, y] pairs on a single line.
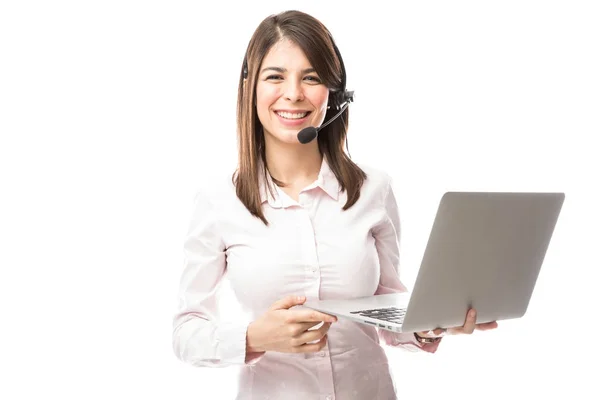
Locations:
{"points": [[326, 181]]}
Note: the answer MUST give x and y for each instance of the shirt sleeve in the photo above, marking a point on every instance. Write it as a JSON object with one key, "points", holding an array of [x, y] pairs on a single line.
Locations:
{"points": [[387, 242], [200, 336]]}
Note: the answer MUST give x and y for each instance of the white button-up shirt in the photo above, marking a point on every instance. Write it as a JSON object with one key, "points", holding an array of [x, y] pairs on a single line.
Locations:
{"points": [[311, 248]]}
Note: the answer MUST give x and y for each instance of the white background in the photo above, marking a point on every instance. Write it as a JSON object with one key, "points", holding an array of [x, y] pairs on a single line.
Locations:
{"points": [[112, 112]]}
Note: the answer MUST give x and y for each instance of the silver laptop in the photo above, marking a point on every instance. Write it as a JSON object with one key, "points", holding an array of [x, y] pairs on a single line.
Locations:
{"points": [[485, 251]]}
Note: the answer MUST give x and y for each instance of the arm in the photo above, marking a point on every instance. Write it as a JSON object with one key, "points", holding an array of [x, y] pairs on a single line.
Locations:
{"points": [[387, 242], [200, 338]]}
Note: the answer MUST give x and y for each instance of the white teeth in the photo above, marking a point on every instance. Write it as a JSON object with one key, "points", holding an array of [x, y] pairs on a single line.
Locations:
{"points": [[288, 115]]}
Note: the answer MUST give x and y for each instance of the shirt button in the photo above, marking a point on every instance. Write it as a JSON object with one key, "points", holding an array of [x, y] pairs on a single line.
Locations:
{"points": [[328, 398], [322, 354]]}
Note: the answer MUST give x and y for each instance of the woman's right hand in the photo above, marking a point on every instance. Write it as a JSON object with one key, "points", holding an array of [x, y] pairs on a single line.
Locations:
{"points": [[287, 331]]}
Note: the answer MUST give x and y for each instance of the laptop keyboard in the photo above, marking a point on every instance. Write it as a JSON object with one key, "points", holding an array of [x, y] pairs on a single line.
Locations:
{"points": [[389, 314]]}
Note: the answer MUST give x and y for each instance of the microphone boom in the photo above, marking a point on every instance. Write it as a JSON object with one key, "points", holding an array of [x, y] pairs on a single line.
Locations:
{"points": [[310, 133]]}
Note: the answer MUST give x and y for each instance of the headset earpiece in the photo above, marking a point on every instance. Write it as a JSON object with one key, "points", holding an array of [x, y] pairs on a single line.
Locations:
{"points": [[339, 98], [245, 68], [342, 96]]}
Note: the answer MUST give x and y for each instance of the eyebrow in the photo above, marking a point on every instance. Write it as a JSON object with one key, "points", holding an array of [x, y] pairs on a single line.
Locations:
{"points": [[282, 70]]}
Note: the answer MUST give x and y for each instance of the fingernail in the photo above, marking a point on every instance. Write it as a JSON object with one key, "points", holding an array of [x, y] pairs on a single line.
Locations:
{"points": [[472, 313], [300, 298]]}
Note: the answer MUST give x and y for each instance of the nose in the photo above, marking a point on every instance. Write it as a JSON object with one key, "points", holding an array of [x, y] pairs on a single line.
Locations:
{"points": [[293, 91]]}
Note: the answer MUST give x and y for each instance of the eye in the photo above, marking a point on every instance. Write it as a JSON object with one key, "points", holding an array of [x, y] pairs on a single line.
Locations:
{"points": [[313, 79], [273, 77]]}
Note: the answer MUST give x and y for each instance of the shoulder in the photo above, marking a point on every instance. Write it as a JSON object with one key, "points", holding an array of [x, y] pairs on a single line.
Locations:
{"points": [[378, 181]]}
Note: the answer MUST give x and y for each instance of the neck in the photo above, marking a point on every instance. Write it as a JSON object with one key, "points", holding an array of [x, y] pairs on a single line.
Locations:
{"points": [[293, 164]]}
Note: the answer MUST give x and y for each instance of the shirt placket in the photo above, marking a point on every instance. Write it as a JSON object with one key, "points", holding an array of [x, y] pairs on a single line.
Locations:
{"points": [[321, 358]]}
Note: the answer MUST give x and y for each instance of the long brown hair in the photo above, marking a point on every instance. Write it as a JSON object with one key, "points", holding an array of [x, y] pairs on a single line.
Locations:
{"points": [[317, 43]]}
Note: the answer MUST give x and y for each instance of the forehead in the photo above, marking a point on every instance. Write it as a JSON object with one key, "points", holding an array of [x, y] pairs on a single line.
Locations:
{"points": [[286, 53]]}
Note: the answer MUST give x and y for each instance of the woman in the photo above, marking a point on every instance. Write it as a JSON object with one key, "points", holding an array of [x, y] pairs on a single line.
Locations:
{"points": [[297, 221]]}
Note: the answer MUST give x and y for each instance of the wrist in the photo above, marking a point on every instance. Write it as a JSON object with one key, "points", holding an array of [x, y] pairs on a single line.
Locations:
{"points": [[250, 342]]}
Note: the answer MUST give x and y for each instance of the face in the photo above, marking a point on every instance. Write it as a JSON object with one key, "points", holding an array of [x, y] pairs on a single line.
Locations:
{"points": [[289, 93]]}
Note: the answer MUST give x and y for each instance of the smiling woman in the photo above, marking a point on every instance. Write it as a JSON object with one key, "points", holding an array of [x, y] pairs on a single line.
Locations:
{"points": [[292, 66], [298, 221]]}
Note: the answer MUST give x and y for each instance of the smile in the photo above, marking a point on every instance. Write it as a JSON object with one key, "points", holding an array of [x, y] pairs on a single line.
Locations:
{"points": [[292, 118], [290, 115]]}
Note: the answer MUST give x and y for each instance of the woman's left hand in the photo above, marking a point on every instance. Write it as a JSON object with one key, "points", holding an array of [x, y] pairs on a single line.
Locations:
{"points": [[469, 327]]}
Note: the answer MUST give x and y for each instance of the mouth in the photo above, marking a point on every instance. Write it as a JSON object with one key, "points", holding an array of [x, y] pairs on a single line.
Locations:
{"points": [[292, 117]]}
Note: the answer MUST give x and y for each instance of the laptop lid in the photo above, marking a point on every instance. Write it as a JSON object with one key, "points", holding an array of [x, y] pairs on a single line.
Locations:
{"points": [[485, 251]]}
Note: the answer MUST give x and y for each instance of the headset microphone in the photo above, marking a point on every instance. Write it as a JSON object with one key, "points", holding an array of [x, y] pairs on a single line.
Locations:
{"points": [[309, 134]]}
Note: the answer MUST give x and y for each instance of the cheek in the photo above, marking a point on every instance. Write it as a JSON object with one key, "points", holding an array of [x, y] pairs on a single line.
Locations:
{"points": [[265, 97], [319, 99]]}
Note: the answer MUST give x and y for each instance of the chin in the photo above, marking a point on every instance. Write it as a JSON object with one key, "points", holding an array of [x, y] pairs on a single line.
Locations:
{"points": [[287, 136]]}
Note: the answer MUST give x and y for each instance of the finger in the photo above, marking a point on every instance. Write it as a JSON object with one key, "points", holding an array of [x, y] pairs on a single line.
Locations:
{"points": [[310, 347], [310, 316], [297, 328], [469, 325], [433, 333], [311, 336], [300, 327], [487, 326], [288, 302], [439, 332]]}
